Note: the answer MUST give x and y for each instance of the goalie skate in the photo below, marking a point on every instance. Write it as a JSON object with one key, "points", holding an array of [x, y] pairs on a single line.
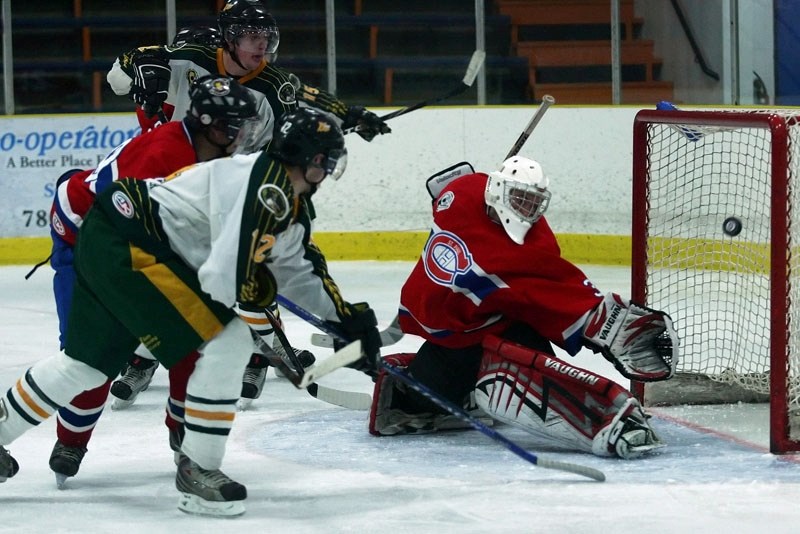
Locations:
{"points": [[628, 435], [208, 492]]}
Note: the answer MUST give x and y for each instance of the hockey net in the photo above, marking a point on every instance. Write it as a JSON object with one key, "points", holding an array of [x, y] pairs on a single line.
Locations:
{"points": [[734, 297]]}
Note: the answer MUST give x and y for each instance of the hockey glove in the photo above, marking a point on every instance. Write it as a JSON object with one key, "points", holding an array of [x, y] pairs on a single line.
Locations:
{"points": [[150, 81], [260, 289], [640, 342], [362, 324], [366, 123]]}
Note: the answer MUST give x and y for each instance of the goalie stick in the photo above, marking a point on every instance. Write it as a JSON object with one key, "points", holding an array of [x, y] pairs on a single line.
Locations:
{"points": [[453, 409], [475, 64], [547, 101], [389, 336]]}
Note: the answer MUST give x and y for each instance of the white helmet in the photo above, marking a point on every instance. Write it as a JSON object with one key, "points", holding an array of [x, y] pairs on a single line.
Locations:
{"points": [[518, 193]]}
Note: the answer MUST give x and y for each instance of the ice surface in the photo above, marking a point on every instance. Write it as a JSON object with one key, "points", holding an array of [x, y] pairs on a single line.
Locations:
{"points": [[312, 467]]}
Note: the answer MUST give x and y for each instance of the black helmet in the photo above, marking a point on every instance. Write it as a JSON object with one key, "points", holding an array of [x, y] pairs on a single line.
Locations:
{"points": [[221, 102], [303, 133], [202, 35], [242, 16]]}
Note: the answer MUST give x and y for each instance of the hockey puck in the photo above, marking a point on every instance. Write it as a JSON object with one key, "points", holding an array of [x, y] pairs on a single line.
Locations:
{"points": [[732, 226]]}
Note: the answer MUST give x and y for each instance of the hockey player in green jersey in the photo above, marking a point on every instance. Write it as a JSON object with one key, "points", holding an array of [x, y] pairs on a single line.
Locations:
{"points": [[156, 77], [164, 264]]}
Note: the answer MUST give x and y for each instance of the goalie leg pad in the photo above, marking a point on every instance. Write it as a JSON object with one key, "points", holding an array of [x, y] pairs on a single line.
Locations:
{"points": [[391, 412], [560, 403], [640, 342]]}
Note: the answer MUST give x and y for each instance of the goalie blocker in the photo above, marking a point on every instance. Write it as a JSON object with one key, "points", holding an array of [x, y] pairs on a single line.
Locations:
{"points": [[565, 405]]}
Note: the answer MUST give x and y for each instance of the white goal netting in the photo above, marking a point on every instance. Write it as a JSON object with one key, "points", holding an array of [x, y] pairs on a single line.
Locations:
{"points": [[716, 282]]}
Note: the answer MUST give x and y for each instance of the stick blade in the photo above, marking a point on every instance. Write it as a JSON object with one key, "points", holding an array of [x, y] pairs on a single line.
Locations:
{"points": [[475, 64], [349, 354]]}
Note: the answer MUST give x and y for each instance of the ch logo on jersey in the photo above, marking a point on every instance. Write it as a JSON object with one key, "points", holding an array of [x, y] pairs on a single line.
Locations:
{"points": [[448, 262], [58, 226], [191, 76], [274, 199], [123, 204], [446, 256]]}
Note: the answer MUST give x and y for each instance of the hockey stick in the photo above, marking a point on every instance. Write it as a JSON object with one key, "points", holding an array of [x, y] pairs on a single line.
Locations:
{"points": [[457, 411], [547, 101], [389, 336], [351, 400], [475, 64], [460, 413], [346, 399], [304, 377]]}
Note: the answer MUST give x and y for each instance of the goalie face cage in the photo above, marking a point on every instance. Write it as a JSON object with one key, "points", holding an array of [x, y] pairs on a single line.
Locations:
{"points": [[734, 295]]}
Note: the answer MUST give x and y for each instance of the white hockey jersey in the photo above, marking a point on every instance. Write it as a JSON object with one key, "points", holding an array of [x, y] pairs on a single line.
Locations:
{"points": [[224, 216]]}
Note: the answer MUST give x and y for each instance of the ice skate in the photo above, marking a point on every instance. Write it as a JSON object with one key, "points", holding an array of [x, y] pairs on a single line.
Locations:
{"points": [[208, 491], [628, 436], [255, 374], [8, 465], [306, 358], [65, 462], [134, 379]]}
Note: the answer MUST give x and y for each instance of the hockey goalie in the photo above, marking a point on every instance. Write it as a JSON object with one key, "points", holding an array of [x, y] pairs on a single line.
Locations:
{"points": [[491, 295]]}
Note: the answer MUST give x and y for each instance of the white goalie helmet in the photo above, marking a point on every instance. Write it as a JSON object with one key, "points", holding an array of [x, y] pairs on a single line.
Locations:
{"points": [[518, 194]]}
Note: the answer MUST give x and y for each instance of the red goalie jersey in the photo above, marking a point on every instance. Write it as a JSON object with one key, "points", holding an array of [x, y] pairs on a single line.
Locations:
{"points": [[473, 280]]}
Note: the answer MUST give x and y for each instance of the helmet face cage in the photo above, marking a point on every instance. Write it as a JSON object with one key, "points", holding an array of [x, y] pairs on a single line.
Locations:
{"points": [[248, 19], [527, 201], [518, 194]]}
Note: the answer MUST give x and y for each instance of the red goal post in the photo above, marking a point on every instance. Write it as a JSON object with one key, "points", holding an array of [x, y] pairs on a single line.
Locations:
{"points": [[733, 291]]}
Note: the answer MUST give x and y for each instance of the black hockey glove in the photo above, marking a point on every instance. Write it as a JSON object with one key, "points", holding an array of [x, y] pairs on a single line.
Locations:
{"points": [[366, 123], [260, 289], [151, 74], [362, 324]]}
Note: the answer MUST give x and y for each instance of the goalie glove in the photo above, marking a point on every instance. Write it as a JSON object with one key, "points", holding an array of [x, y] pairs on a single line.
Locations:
{"points": [[640, 342], [151, 75], [365, 123]]}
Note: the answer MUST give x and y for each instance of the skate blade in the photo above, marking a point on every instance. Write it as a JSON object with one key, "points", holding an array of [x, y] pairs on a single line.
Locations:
{"points": [[119, 404], [192, 504], [61, 481], [243, 404]]}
